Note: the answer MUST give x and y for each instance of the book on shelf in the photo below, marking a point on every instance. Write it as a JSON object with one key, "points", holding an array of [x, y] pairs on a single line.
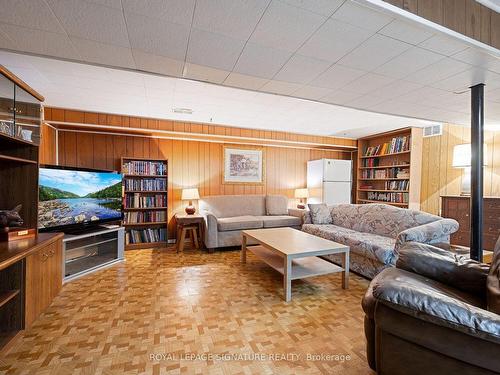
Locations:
{"points": [[396, 145], [388, 197], [145, 217], [153, 184], [142, 167], [397, 185], [373, 173], [148, 235], [137, 200]]}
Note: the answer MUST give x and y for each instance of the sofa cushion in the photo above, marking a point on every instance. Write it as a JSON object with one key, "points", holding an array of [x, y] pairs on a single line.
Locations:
{"points": [[238, 223], [280, 221], [276, 205], [367, 245], [381, 219], [493, 282], [233, 205], [320, 213]]}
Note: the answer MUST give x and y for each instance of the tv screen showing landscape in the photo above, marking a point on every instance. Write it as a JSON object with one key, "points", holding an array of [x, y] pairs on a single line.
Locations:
{"points": [[70, 197]]}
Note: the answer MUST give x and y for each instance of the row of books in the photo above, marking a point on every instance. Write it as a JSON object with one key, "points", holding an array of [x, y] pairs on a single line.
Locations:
{"points": [[397, 185], [139, 167], [397, 144], [398, 173], [374, 173], [389, 197], [145, 217], [146, 184], [137, 200], [146, 235], [374, 162]]}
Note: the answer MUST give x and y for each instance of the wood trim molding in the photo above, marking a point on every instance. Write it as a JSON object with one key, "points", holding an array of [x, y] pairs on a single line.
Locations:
{"points": [[18, 81], [194, 136]]}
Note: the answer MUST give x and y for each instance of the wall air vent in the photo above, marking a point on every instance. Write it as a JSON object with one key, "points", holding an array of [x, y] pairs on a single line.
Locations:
{"points": [[433, 130], [185, 111]]}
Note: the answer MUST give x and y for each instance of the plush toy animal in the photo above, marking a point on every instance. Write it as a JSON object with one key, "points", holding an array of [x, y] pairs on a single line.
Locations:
{"points": [[11, 218]]}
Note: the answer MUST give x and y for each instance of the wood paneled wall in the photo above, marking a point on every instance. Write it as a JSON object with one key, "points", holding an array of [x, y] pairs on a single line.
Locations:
{"points": [[191, 163], [48, 145], [440, 178], [467, 17]]}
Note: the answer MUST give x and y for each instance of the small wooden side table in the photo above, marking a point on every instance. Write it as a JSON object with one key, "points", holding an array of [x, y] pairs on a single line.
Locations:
{"points": [[192, 224]]}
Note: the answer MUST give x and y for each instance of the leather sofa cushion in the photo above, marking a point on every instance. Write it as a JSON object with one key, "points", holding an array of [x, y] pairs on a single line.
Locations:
{"points": [[280, 221], [276, 205], [444, 266], [493, 282], [238, 223], [434, 302], [368, 245]]}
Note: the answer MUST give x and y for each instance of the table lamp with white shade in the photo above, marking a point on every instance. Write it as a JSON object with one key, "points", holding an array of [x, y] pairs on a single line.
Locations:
{"points": [[301, 194], [462, 159], [190, 195]]}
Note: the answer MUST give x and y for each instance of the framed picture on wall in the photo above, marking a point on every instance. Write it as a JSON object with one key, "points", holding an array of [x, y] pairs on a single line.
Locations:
{"points": [[244, 165]]}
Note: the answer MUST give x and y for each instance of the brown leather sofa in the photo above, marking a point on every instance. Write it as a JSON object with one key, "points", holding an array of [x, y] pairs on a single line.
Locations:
{"points": [[435, 313]]}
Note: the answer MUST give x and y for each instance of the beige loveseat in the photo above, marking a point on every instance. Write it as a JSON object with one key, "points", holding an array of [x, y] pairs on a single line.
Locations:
{"points": [[227, 215], [375, 232]]}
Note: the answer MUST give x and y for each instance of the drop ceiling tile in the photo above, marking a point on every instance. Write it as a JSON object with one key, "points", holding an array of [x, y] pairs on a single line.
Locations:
{"points": [[493, 95], [374, 52], [365, 102], [245, 81], [280, 87], [443, 44], [361, 16], [91, 21], [311, 92], [174, 11], [333, 40], [438, 71], [301, 69], [470, 77], [406, 32], [117, 4], [323, 7], [104, 54], [233, 18], [204, 73], [157, 64], [213, 50], [6, 42], [478, 58], [337, 76], [285, 27], [40, 42], [408, 62], [33, 14], [396, 89], [367, 83], [260, 61], [157, 37], [340, 97]]}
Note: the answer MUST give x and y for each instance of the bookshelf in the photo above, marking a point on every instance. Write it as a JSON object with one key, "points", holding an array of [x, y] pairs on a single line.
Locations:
{"points": [[389, 168], [145, 202]]}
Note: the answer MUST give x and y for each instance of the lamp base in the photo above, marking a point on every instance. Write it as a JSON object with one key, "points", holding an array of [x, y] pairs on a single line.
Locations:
{"points": [[190, 210]]}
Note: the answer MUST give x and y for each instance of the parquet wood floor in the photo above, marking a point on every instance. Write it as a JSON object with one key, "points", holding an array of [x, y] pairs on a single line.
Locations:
{"points": [[169, 305]]}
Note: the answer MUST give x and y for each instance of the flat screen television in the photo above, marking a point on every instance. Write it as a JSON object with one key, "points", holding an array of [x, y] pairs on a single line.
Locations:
{"points": [[73, 198]]}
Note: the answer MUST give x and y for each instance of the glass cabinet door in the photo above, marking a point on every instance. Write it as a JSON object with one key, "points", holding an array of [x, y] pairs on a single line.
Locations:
{"points": [[7, 106], [27, 116]]}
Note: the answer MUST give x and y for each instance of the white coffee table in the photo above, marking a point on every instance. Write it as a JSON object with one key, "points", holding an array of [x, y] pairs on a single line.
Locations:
{"points": [[294, 254]]}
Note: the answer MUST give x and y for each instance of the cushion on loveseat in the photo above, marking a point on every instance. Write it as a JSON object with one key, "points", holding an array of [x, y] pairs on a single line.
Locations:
{"points": [[368, 245], [276, 205], [238, 223], [280, 221]]}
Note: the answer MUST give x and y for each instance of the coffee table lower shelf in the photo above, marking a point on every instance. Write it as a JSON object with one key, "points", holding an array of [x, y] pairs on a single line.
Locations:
{"points": [[301, 267]]}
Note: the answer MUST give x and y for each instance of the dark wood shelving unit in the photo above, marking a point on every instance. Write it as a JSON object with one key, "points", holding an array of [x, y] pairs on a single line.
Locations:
{"points": [[142, 174]]}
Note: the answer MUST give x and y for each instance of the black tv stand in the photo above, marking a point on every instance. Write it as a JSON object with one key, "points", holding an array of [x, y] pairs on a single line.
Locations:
{"points": [[89, 229]]}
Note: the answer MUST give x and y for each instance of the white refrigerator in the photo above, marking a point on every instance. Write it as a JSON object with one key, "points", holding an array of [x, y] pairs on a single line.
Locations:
{"points": [[329, 181]]}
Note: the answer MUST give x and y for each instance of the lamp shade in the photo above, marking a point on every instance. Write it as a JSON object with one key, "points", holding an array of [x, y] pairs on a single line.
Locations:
{"points": [[190, 194], [462, 156], [301, 193]]}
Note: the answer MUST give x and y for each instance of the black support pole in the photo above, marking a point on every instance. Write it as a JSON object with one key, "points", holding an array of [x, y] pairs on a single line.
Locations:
{"points": [[476, 193]]}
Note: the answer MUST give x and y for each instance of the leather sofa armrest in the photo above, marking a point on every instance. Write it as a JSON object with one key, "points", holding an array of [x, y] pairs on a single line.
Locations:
{"points": [[444, 266], [210, 230], [428, 233], [430, 301], [300, 213]]}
